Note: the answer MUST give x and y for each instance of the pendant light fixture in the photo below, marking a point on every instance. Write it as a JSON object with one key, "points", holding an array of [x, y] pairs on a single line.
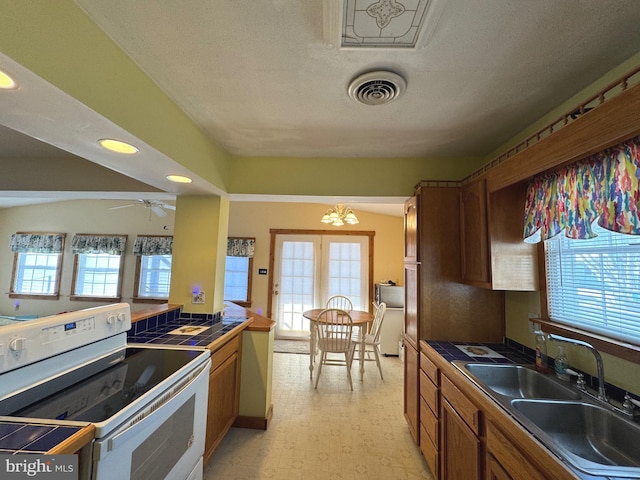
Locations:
{"points": [[339, 215]]}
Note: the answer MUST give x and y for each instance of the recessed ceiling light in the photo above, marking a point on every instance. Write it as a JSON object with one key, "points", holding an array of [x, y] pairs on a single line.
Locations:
{"points": [[179, 179], [118, 146], [6, 82]]}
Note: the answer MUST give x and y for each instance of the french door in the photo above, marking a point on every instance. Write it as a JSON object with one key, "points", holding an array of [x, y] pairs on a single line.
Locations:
{"points": [[308, 269]]}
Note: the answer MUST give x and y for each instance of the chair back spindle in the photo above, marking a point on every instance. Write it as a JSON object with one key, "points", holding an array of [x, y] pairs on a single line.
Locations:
{"points": [[340, 301]]}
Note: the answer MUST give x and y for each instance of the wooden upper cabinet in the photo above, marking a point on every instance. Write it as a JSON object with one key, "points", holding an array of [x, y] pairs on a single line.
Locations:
{"points": [[494, 254], [473, 233], [411, 230], [514, 263]]}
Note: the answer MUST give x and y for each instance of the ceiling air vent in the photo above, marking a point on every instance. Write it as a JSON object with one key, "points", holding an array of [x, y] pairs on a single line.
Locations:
{"points": [[376, 88]]}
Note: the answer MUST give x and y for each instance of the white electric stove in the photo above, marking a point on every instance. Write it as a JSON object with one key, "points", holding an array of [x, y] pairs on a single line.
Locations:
{"points": [[147, 404]]}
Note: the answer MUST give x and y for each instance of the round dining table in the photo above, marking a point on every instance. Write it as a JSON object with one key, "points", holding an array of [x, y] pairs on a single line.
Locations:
{"points": [[359, 318]]}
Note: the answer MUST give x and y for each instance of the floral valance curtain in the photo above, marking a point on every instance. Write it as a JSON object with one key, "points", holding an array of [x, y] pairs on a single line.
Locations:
{"points": [[240, 247], [37, 242], [153, 245], [111, 244], [602, 187]]}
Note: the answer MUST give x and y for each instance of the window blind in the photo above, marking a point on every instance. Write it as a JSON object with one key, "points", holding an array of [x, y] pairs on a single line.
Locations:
{"points": [[594, 284]]}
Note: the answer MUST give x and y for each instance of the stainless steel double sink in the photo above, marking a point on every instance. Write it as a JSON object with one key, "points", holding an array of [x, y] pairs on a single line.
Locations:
{"points": [[585, 433]]}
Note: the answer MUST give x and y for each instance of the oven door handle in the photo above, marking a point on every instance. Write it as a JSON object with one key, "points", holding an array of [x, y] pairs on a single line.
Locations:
{"points": [[150, 412]]}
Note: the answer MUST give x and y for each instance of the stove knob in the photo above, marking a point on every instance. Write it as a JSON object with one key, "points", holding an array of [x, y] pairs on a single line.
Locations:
{"points": [[17, 344], [105, 390], [122, 317], [111, 319]]}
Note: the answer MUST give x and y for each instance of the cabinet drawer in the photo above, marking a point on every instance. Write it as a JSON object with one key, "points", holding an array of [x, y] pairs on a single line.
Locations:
{"points": [[429, 452], [429, 423], [506, 453], [428, 367], [220, 355], [462, 405], [429, 392]]}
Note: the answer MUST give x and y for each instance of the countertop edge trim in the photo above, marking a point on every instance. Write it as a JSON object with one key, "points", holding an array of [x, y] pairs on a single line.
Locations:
{"points": [[75, 442]]}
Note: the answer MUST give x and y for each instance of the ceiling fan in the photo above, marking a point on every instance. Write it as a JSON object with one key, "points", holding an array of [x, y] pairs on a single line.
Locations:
{"points": [[156, 207]]}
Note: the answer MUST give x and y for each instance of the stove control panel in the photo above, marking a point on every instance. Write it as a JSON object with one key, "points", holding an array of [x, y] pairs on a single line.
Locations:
{"points": [[30, 341], [77, 327]]}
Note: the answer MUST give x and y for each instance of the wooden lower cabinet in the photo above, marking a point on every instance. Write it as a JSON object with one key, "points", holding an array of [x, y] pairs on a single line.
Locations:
{"points": [[224, 392], [430, 414], [495, 470], [512, 460], [411, 390], [477, 439], [461, 449]]}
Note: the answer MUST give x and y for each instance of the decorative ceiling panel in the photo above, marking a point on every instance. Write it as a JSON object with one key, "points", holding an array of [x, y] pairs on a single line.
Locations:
{"points": [[383, 23]]}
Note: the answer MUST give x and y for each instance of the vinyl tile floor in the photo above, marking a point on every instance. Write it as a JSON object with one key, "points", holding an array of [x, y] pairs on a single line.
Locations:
{"points": [[330, 433]]}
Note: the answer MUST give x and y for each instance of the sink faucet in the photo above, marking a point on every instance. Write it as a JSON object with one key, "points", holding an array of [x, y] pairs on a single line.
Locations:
{"points": [[602, 395]]}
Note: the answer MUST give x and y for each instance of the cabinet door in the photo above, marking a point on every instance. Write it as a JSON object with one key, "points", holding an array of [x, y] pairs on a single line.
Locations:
{"points": [[411, 303], [411, 391], [411, 230], [514, 263], [473, 231], [460, 448], [495, 470], [510, 457], [224, 401]]}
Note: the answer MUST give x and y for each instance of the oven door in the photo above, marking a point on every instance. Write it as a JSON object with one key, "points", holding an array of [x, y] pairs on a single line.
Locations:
{"points": [[163, 441]]}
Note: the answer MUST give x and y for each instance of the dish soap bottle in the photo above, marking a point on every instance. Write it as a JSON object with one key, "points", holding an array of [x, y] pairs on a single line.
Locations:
{"points": [[541, 353], [561, 364]]}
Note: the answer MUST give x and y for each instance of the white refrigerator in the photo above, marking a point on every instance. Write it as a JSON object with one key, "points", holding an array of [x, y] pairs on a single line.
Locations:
{"points": [[391, 330]]}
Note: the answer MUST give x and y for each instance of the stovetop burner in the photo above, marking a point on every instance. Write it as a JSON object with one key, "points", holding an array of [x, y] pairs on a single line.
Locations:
{"points": [[95, 397]]}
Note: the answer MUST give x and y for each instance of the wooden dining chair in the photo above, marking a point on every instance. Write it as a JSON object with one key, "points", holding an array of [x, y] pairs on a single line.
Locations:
{"points": [[334, 328], [340, 301], [372, 339]]}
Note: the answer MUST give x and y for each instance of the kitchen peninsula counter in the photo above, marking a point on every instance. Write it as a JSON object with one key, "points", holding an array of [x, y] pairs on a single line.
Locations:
{"points": [[149, 327], [152, 325]]}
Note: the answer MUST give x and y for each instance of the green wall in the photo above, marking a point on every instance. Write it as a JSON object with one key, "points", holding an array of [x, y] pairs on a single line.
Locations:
{"points": [[343, 176], [58, 42]]}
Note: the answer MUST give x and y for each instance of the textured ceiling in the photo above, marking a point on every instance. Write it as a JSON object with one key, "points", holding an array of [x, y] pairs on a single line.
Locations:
{"points": [[268, 78], [262, 79]]}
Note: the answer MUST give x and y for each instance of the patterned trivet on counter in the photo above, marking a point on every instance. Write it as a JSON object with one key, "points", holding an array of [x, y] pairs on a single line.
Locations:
{"points": [[479, 351]]}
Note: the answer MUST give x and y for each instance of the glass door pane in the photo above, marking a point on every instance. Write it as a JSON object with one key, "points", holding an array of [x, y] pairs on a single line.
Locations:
{"points": [[345, 261], [295, 283]]}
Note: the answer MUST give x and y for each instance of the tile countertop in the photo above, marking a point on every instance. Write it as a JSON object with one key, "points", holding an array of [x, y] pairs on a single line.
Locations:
{"points": [[495, 353], [479, 352], [167, 333], [21, 437]]}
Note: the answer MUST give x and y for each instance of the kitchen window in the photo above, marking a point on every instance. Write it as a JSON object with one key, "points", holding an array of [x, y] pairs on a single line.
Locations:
{"points": [[97, 268], [37, 265], [238, 270], [588, 214], [594, 284], [153, 268]]}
